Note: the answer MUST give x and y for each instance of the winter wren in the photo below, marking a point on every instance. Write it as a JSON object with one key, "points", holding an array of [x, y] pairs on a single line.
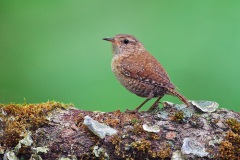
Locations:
{"points": [[138, 71]]}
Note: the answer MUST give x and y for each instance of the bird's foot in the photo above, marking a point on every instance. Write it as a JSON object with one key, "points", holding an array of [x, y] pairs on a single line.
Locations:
{"points": [[154, 107], [135, 111]]}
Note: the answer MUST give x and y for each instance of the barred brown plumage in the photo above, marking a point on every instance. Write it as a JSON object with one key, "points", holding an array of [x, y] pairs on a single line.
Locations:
{"points": [[138, 71]]}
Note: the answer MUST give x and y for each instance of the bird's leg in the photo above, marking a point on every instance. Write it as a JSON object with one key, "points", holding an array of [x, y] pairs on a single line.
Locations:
{"points": [[155, 104], [140, 106], [150, 96]]}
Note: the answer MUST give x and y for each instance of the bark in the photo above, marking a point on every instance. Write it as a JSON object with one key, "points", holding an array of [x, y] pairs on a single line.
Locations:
{"points": [[56, 131]]}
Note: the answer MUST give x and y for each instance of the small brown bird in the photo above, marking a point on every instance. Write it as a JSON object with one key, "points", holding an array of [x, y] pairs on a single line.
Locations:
{"points": [[138, 71]]}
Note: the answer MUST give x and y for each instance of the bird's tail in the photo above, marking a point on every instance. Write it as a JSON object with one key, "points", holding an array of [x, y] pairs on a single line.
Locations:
{"points": [[175, 93]]}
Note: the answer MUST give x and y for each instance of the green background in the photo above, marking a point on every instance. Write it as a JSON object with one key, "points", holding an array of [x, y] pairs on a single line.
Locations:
{"points": [[53, 50]]}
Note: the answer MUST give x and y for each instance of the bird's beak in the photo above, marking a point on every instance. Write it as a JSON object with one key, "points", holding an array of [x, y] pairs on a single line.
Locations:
{"points": [[109, 39]]}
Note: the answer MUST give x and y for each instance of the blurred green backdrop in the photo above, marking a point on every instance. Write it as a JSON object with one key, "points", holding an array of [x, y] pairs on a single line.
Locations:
{"points": [[52, 50]]}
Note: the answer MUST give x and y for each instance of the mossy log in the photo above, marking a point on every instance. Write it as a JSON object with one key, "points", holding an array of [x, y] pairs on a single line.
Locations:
{"points": [[53, 130]]}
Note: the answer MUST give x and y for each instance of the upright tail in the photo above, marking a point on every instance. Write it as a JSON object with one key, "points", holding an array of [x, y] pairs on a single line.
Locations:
{"points": [[175, 93]]}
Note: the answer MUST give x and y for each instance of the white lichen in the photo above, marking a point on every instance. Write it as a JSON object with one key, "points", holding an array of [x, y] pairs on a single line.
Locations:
{"points": [[43, 149], [188, 111], [35, 157], [215, 141], [177, 155], [153, 128], [27, 141], [163, 115], [191, 146], [205, 106], [1, 150], [73, 157], [99, 129], [63, 158], [99, 151], [10, 155], [3, 112]]}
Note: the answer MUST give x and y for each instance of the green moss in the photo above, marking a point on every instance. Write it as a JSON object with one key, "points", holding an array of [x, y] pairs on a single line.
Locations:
{"points": [[135, 121], [117, 142], [142, 146], [164, 152], [178, 116], [17, 119], [146, 149], [153, 136], [234, 125], [230, 147], [137, 129]]}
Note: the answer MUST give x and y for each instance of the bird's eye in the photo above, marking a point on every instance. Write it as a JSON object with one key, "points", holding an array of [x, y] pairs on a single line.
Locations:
{"points": [[125, 41]]}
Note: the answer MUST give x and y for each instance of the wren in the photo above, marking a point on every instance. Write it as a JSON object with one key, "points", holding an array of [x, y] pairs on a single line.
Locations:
{"points": [[139, 72]]}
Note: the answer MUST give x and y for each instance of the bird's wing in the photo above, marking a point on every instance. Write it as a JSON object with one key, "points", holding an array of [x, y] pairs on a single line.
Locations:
{"points": [[143, 66]]}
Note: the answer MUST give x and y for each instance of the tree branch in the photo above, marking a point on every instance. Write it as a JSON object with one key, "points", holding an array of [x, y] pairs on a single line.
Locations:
{"points": [[53, 131]]}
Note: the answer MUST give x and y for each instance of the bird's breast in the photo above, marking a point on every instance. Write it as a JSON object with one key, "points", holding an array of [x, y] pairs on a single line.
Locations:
{"points": [[132, 84]]}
